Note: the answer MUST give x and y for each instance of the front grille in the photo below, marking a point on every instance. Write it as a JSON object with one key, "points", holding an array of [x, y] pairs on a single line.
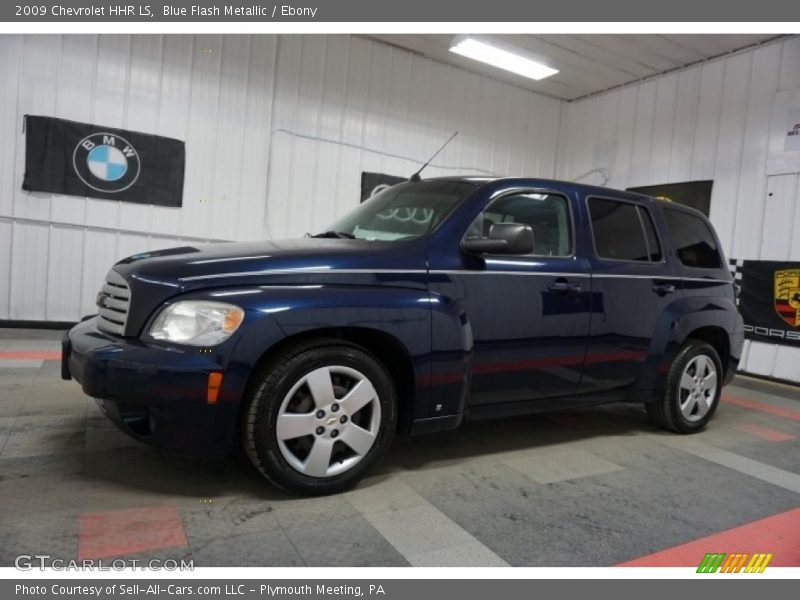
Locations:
{"points": [[114, 301]]}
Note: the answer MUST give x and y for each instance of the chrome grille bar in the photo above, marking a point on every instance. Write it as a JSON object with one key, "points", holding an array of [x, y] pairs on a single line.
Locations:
{"points": [[113, 300]]}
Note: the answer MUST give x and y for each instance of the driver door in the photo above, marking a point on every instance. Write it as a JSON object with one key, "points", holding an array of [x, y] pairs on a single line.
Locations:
{"points": [[528, 314]]}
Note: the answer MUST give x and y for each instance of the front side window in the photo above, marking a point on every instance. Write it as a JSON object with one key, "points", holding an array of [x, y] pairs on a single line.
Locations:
{"points": [[623, 231], [693, 240], [547, 214], [402, 212]]}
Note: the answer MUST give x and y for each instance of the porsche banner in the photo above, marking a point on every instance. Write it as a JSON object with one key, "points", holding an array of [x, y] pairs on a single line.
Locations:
{"points": [[80, 159], [770, 301]]}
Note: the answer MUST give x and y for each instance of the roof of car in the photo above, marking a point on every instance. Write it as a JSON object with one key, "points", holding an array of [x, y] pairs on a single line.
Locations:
{"points": [[593, 189], [585, 188]]}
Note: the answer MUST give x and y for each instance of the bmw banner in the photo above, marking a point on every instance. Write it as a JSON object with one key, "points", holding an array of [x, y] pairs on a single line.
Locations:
{"points": [[80, 159]]}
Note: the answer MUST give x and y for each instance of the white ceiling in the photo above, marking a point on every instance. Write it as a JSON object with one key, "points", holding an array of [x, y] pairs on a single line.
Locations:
{"points": [[588, 64]]}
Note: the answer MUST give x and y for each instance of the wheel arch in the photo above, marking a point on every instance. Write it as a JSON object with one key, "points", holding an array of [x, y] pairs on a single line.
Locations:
{"points": [[718, 338], [681, 322], [387, 349]]}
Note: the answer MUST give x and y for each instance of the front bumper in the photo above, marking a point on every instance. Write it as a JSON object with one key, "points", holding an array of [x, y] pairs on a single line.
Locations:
{"points": [[155, 394]]}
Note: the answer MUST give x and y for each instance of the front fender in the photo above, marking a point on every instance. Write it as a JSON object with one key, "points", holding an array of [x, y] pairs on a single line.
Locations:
{"points": [[402, 313]]}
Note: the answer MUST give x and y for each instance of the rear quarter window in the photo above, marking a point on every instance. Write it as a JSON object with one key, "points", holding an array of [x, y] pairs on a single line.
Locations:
{"points": [[623, 231], [694, 242]]}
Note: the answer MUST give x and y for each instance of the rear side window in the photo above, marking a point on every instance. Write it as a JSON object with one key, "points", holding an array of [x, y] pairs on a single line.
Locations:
{"points": [[693, 240], [623, 231]]}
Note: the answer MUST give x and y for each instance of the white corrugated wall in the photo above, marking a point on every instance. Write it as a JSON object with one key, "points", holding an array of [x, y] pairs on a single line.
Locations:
{"points": [[277, 133], [712, 121], [346, 104]]}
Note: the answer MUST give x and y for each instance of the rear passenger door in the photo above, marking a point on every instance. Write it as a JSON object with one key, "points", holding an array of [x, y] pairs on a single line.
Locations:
{"points": [[633, 285]]}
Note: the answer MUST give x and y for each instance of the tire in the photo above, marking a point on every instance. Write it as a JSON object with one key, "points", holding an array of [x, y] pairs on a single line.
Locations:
{"points": [[693, 388], [300, 431]]}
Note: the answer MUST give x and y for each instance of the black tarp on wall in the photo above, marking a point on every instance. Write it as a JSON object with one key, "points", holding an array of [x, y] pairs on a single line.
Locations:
{"points": [[770, 300]]}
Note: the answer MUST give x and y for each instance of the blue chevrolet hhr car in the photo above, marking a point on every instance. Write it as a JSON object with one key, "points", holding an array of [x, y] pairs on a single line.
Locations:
{"points": [[433, 302]]}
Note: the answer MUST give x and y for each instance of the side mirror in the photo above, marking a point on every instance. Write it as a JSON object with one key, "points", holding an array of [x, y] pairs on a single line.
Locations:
{"points": [[504, 238]]}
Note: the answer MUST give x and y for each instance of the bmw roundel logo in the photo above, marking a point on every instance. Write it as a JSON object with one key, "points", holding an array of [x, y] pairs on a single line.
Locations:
{"points": [[106, 162]]}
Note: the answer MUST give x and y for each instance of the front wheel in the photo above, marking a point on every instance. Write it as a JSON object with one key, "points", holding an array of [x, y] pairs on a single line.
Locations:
{"points": [[320, 417], [693, 389]]}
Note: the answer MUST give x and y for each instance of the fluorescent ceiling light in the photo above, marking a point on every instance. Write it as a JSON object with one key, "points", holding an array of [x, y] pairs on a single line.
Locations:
{"points": [[498, 57]]}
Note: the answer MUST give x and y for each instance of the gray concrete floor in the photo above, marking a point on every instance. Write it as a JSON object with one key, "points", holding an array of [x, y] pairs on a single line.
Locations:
{"points": [[592, 487]]}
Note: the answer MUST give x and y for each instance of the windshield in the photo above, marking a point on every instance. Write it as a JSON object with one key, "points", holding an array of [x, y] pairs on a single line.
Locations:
{"points": [[401, 212]]}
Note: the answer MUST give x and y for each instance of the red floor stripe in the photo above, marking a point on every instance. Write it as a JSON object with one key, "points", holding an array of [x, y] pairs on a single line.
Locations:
{"points": [[29, 355], [123, 532], [765, 433], [778, 534], [778, 411]]}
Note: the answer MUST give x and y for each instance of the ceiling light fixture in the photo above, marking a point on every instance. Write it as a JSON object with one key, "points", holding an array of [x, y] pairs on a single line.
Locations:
{"points": [[502, 58]]}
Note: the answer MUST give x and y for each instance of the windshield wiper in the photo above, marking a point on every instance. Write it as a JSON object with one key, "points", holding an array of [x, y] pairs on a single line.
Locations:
{"points": [[335, 234]]}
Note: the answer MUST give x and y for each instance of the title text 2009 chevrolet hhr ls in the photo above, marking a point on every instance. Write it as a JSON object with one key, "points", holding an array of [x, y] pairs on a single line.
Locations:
{"points": [[432, 302]]}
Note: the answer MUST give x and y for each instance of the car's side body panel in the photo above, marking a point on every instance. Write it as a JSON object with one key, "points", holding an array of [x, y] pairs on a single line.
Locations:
{"points": [[631, 311], [710, 295], [527, 340]]}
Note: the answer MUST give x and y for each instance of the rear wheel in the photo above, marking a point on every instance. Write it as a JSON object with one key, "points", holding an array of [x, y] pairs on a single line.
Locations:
{"points": [[693, 389], [320, 418]]}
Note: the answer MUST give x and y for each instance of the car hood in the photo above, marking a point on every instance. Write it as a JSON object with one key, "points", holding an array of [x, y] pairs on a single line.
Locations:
{"points": [[155, 277], [209, 266]]}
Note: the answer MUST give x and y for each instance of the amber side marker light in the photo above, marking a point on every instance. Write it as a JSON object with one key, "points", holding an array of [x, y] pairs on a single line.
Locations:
{"points": [[214, 383], [233, 318]]}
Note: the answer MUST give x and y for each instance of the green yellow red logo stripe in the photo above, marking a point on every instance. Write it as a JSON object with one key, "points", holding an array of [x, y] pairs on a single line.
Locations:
{"points": [[736, 562]]}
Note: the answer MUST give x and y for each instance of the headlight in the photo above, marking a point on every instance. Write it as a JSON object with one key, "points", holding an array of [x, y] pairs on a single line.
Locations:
{"points": [[197, 322]]}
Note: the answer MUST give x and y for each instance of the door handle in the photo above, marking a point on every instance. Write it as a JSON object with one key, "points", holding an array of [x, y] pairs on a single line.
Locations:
{"points": [[662, 289], [563, 286]]}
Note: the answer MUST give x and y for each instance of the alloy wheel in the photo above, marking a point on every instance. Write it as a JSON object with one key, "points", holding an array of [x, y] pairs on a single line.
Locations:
{"points": [[697, 390], [328, 421]]}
